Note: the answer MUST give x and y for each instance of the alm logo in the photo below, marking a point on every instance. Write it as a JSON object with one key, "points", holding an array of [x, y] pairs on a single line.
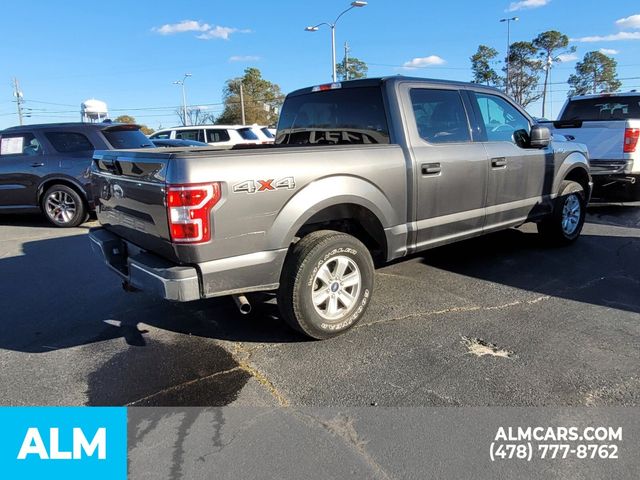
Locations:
{"points": [[34, 445]]}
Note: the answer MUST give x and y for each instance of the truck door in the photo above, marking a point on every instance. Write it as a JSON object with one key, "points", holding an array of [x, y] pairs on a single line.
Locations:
{"points": [[520, 178], [21, 166], [450, 169]]}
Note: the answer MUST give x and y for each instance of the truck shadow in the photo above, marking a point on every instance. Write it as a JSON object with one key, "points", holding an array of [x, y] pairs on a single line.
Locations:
{"points": [[598, 270], [58, 295]]}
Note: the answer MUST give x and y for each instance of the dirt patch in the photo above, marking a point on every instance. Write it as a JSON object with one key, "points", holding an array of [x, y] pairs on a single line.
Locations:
{"points": [[480, 348]]}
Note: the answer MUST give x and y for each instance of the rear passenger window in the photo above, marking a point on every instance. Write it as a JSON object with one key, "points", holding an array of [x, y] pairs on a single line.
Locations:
{"points": [[215, 136], [196, 135], [440, 115], [23, 144], [69, 142]]}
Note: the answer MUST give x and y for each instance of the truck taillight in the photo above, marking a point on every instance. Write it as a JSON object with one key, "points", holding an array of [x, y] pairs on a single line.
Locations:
{"points": [[631, 136], [188, 209]]}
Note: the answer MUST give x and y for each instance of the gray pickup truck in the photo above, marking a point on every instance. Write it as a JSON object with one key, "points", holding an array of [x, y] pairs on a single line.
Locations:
{"points": [[362, 172]]}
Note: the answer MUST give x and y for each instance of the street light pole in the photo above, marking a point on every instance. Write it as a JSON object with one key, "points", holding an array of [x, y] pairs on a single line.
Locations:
{"points": [[508, 21], [184, 97], [332, 26]]}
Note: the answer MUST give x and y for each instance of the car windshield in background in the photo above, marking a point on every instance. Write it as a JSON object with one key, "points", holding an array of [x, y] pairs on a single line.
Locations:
{"points": [[603, 108], [126, 138], [267, 132], [247, 134], [334, 117]]}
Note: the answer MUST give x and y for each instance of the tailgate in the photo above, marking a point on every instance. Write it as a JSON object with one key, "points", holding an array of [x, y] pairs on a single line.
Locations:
{"points": [[129, 194], [604, 139]]}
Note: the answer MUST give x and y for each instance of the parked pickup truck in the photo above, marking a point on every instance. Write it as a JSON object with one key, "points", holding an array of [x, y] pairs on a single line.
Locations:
{"points": [[362, 172], [609, 125]]}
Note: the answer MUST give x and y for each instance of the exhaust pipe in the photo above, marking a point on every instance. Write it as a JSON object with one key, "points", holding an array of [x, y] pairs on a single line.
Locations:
{"points": [[242, 303]]}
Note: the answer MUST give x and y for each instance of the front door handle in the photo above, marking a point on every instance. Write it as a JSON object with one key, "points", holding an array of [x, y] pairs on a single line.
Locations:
{"points": [[498, 162], [37, 164], [431, 168]]}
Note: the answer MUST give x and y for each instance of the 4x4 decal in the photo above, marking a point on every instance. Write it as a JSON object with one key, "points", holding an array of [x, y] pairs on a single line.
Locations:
{"points": [[253, 186]]}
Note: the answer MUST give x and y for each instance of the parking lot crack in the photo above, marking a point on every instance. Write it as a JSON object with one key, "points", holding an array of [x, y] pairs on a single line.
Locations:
{"points": [[242, 355], [181, 385], [343, 427]]}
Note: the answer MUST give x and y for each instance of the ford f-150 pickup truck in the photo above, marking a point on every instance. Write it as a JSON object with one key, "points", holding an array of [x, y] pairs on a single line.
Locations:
{"points": [[609, 125], [362, 172]]}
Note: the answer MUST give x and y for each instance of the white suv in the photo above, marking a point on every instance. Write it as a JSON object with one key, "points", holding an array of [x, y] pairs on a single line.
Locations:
{"points": [[216, 135]]}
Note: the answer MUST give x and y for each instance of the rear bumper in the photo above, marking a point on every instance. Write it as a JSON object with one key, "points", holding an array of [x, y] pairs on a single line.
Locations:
{"points": [[601, 168], [145, 271]]}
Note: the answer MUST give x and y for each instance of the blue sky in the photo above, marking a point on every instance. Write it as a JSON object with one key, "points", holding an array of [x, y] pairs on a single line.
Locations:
{"points": [[64, 52]]}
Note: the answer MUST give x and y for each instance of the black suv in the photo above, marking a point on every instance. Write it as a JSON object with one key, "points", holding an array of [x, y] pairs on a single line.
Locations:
{"points": [[45, 167]]}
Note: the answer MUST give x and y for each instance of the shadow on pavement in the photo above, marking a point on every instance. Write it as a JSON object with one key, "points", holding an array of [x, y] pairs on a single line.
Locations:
{"points": [[58, 295], [599, 270]]}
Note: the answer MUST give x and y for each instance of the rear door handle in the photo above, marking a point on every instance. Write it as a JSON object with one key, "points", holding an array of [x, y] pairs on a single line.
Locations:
{"points": [[431, 168], [37, 164], [499, 162]]}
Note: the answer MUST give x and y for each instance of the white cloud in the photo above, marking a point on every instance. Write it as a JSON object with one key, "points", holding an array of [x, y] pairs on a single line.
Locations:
{"points": [[525, 4], [183, 26], [567, 57], [207, 31], [244, 58], [420, 62], [629, 22], [220, 32], [609, 38], [609, 51]]}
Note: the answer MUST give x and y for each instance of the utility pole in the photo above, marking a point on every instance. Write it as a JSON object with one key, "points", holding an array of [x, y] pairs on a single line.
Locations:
{"points": [[346, 61], [595, 80], [19, 98], [242, 104]]}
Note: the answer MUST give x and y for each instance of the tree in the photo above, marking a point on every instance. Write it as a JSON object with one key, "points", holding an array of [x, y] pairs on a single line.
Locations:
{"points": [[129, 119], [355, 68], [524, 73], [483, 72], [596, 72], [262, 99], [195, 116], [551, 44]]}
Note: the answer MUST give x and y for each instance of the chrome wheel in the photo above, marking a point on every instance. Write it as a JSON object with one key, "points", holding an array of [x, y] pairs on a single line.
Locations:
{"points": [[60, 206], [571, 213], [336, 287]]}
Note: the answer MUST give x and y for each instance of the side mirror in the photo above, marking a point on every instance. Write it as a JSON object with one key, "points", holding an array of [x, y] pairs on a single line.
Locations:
{"points": [[540, 137]]}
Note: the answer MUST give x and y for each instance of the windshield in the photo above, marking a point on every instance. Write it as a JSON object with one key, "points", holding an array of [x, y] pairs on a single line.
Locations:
{"points": [[603, 108], [267, 132], [125, 138], [334, 117]]}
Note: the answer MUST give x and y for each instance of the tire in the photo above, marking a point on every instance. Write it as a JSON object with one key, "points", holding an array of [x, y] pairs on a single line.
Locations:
{"points": [[319, 264], [564, 225], [63, 206]]}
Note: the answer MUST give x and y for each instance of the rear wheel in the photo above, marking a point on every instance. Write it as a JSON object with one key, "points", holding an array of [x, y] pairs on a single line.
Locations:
{"points": [[63, 206], [564, 225], [326, 284]]}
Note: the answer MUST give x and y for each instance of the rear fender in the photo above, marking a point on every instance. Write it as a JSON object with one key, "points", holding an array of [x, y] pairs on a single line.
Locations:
{"points": [[324, 193]]}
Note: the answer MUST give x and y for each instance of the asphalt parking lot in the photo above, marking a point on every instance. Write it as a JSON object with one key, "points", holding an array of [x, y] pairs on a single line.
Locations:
{"points": [[498, 320]]}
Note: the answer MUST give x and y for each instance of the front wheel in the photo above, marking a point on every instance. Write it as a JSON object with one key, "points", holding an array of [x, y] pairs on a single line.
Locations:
{"points": [[63, 206], [326, 284], [564, 225]]}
